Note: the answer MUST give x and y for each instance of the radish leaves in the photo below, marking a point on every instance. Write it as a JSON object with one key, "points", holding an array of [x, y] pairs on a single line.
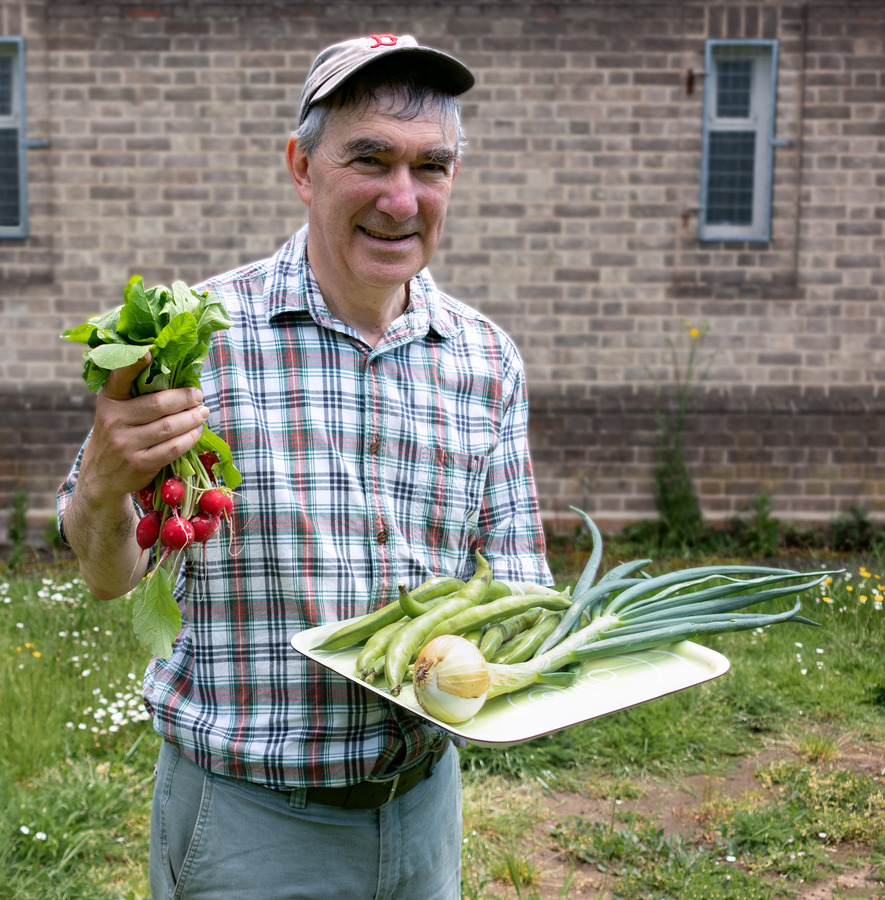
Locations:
{"points": [[156, 618]]}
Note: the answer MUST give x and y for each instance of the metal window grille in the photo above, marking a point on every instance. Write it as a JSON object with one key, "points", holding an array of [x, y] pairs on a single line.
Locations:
{"points": [[6, 85], [733, 88], [13, 211], [732, 161]]}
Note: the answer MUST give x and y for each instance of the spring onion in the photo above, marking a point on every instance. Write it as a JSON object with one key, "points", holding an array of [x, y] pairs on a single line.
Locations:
{"points": [[648, 613]]}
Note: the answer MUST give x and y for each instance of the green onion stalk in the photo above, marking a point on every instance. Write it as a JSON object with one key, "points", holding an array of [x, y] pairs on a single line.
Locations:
{"points": [[618, 614]]}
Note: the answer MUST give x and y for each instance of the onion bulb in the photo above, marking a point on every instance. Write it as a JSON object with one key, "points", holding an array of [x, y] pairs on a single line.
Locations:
{"points": [[451, 679]]}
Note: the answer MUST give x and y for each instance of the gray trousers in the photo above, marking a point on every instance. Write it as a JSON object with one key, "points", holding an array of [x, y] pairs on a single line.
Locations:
{"points": [[218, 838]]}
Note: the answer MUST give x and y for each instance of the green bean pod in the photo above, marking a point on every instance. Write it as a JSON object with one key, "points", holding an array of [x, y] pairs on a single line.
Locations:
{"points": [[499, 633], [497, 590], [377, 644], [361, 629], [474, 636], [491, 639], [497, 611], [424, 597], [524, 645], [374, 668], [408, 640]]}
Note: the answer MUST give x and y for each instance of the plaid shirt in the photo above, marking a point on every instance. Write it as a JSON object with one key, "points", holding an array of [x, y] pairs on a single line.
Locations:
{"points": [[362, 468]]}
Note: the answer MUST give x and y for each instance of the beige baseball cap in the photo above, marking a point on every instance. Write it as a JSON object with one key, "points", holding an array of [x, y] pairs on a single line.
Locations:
{"points": [[337, 63]]}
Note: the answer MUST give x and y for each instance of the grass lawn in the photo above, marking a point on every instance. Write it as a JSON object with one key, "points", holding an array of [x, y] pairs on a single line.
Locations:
{"points": [[795, 728]]}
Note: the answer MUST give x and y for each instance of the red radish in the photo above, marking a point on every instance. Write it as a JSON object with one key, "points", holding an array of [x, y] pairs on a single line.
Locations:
{"points": [[209, 458], [172, 491], [216, 503], [145, 497], [204, 526], [176, 533], [148, 529]]}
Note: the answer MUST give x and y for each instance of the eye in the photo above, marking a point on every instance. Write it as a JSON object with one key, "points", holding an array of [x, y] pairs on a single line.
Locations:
{"points": [[434, 169]]}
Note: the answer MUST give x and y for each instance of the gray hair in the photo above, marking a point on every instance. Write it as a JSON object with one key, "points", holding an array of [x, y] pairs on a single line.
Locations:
{"points": [[398, 93]]}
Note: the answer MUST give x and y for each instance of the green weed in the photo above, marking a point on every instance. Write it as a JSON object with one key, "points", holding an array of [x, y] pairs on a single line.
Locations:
{"points": [[651, 864], [76, 751], [18, 528]]}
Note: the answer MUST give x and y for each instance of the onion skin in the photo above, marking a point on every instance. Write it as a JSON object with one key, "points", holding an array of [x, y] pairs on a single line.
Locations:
{"points": [[451, 679]]}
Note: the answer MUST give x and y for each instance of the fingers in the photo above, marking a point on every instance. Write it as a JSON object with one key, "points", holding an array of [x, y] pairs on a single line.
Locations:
{"points": [[119, 382], [149, 408], [133, 438], [162, 441]]}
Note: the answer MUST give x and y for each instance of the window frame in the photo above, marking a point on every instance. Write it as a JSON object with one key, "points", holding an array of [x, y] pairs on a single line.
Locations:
{"points": [[761, 120], [14, 47]]}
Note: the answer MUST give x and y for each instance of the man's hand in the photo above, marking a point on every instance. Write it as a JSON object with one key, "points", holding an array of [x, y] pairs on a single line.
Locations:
{"points": [[132, 439]]}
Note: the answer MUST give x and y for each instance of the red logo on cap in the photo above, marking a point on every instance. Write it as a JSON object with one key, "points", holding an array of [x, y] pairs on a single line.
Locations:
{"points": [[382, 40]]}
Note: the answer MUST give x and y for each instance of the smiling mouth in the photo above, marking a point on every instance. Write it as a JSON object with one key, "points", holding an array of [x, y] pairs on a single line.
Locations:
{"points": [[393, 238]]}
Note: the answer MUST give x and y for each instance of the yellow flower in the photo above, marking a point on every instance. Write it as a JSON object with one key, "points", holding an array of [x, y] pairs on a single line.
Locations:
{"points": [[36, 654], [862, 598], [694, 333]]}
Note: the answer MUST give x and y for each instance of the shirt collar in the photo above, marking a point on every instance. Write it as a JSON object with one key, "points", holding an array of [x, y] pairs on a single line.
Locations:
{"points": [[291, 288]]}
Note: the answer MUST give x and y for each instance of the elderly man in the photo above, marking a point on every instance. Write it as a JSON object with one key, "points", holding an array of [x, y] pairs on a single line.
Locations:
{"points": [[380, 428]]}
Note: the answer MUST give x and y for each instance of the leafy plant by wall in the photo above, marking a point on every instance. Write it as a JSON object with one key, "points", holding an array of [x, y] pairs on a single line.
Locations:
{"points": [[18, 528], [676, 499]]}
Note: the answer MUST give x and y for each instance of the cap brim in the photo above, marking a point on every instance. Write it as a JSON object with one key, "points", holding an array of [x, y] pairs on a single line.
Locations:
{"points": [[451, 74], [441, 69]]}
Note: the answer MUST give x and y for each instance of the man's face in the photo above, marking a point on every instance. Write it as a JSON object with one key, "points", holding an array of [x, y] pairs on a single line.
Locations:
{"points": [[378, 189]]}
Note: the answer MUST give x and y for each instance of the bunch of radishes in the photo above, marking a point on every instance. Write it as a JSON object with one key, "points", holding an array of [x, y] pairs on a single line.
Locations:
{"points": [[183, 509]]}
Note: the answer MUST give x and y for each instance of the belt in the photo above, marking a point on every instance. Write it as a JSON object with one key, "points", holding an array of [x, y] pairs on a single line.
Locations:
{"points": [[372, 792]]}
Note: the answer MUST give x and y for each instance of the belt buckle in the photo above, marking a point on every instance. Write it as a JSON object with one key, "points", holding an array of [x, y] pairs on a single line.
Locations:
{"points": [[394, 784]]}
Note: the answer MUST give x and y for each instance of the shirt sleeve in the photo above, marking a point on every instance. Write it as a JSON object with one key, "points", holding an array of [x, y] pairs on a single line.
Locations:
{"points": [[66, 491], [511, 533]]}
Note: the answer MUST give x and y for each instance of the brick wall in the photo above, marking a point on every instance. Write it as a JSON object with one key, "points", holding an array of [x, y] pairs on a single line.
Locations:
{"points": [[572, 224]]}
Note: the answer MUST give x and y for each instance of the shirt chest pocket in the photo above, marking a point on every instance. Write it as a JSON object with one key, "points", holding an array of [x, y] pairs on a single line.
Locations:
{"points": [[444, 490], [450, 469]]}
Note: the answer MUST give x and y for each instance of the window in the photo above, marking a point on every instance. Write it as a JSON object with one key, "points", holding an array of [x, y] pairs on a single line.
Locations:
{"points": [[13, 207], [738, 141]]}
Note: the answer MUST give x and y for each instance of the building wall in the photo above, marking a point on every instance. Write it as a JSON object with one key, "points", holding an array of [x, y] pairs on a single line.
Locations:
{"points": [[573, 223]]}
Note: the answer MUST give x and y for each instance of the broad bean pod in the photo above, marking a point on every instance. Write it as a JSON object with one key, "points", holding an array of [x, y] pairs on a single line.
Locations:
{"points": [[496, 611], [361, 629], [408, 641], [423, 598], [525, 645], [377, 645]]}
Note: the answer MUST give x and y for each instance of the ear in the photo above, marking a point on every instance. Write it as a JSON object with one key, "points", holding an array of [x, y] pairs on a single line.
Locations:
{"points": [[299, 168]]}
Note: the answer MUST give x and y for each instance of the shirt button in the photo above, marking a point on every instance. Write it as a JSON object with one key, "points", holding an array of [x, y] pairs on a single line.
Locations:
{"points": [[373, 447], [382, 537]]}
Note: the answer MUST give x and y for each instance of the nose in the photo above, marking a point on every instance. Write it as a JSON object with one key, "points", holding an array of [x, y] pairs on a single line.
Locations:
{"points": [[399, 198]]}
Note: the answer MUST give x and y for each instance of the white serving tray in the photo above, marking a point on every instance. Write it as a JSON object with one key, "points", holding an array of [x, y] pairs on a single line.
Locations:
{"points": [[605, 686]]}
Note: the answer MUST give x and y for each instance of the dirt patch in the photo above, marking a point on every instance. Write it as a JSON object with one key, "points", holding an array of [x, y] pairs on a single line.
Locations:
{"points": [[683, 809]]}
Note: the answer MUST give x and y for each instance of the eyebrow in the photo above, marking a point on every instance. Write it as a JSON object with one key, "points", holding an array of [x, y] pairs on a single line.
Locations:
{"points": [[439, 153]]}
